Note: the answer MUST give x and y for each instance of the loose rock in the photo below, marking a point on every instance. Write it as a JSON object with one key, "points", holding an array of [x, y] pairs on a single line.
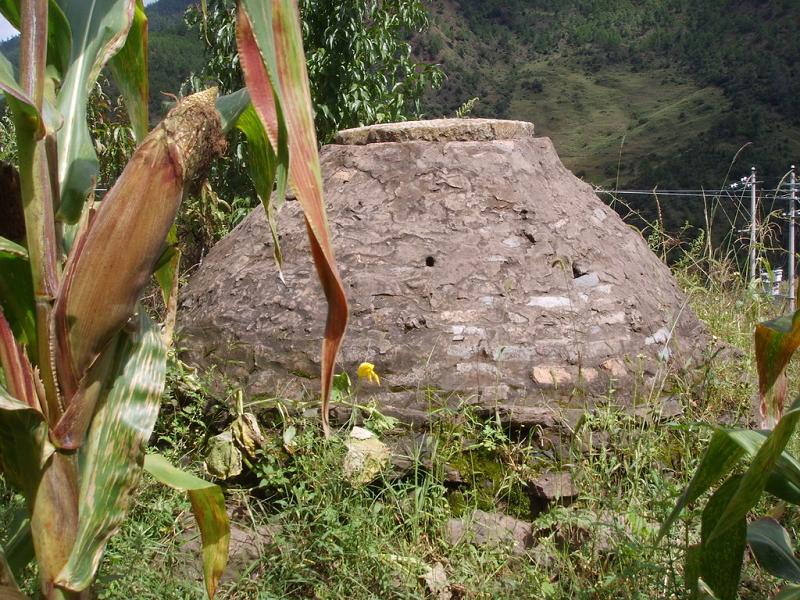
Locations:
{"points": [[366, 456], [549, 489], [436, 581], [491, 529]]}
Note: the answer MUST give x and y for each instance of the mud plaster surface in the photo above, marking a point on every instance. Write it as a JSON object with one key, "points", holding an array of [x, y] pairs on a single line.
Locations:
{"points": [[480, 267]]}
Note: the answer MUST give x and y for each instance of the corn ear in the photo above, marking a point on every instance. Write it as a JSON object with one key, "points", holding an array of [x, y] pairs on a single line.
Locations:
{"points": [[112, 261]]}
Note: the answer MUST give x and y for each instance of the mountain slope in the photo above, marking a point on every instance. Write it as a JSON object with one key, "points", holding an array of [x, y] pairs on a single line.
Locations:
{"points": [[634, 93], [684, 84]]}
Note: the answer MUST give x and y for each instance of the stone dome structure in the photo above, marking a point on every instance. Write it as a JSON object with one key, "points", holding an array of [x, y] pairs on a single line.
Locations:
{"points": [[476, 265]]}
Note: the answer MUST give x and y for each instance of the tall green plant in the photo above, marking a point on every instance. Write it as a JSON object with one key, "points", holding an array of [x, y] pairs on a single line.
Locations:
{"points": [[83, 365], [725, 531], [361, 69]]}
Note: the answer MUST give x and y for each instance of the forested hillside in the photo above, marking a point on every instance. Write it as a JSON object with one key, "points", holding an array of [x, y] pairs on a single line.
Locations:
{"points": [[684, 84], [634, 93]]}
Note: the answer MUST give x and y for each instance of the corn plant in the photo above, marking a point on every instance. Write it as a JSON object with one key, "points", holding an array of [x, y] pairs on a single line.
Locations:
{"points": [[83, 365], [714, 564]]}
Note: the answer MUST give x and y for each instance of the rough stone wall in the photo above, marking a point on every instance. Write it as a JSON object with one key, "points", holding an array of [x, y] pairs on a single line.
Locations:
{"points": [[475, 263]]}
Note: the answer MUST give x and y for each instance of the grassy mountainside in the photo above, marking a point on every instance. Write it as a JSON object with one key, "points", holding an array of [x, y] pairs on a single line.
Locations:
{"points": [[634, 93], [686, 84]]}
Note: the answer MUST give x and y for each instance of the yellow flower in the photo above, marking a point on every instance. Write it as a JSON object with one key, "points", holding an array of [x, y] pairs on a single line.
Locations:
{"points": [[367, 371]]}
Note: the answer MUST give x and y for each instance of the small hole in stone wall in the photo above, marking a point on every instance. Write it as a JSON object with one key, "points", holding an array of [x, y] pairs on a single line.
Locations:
{"points": [[429, 261], [578, 271]]}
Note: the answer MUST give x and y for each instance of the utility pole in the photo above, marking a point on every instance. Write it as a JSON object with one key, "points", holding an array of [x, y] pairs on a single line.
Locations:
{"points": [[752, 223], [792, 198]]}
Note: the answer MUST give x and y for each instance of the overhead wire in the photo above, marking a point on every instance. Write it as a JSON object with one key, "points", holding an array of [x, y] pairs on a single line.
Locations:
{"points": [[684, 193], [732, 211]]}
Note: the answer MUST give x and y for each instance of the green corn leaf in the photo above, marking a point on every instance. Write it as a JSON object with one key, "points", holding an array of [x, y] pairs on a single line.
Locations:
{"points": [[775, 343], [19, 552], [230, 108], [59, 36], [784, 481], [24, 447], [790, 592], [271, 53], [99, 28], [18, 100], [12, 248], [9, 590], [780, 487], [262, 166], [772, 547], [129, 70], [208, 506], [16, 294], [721, 456], [167, 275], [722, 556], [166, 267], [761, 467], [691, 571], [110, 462]]}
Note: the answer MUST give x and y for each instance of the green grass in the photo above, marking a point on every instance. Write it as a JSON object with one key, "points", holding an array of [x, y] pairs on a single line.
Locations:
{"points": [[588, 114], [339, 541], [330, 539]]}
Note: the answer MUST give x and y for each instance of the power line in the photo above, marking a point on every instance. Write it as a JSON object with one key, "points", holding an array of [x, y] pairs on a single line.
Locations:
{"points": [[687, 193]]}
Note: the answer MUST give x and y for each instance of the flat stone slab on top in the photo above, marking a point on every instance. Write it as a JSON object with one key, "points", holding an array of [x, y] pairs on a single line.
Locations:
{"points": [[437, 130]]}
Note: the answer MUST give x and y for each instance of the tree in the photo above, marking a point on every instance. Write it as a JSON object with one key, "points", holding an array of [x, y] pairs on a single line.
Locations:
{"points": [[82, 364], [359, 59]]}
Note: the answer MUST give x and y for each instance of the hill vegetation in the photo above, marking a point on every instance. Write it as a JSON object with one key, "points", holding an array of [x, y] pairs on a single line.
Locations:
{"points": [[686, 83], [634, 94]]}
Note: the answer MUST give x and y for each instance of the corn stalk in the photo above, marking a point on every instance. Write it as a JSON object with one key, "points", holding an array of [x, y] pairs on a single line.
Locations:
{"points": [[82, 364]]}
